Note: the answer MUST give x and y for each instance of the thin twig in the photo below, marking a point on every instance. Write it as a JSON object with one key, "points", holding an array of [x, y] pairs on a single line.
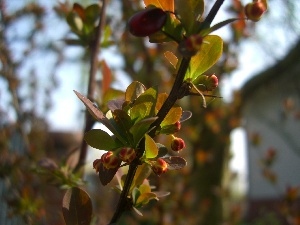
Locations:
{"points": [[94, 48]]}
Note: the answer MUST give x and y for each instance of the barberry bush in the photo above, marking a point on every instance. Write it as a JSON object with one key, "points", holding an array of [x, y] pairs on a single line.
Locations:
{"points": [[143, 116]]}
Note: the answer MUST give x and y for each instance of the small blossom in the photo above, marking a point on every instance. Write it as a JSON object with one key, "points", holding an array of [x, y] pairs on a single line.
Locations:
{"points": [[255, 10], [110, 160], [127, 154], [159, 166], [177, 144]]}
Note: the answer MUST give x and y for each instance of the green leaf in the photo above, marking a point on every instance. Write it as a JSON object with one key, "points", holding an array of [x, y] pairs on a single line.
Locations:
{"points": [[100, 139], [134, 90], [123, 122], [209, 53], [189, 12], [217, 26], [135, 194], [151, 149], [92, 13], [77, 207], [139, 129], [144, 105]]}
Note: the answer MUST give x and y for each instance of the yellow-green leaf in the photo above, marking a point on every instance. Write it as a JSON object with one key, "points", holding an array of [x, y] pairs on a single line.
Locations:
{"points": [[209, 53], [151, 149]]}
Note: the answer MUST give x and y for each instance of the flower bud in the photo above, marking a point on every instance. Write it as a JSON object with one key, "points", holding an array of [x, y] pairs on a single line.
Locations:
{"points": [[127, 154], [255, 10], [212, 82], [177, 144], [171, 129], [109, 160], [96, 165], [160, 166], [189, 46], [147, 22]]}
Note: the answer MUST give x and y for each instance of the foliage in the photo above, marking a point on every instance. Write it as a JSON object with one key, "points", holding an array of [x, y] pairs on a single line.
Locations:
{"points": [[143, 123]]}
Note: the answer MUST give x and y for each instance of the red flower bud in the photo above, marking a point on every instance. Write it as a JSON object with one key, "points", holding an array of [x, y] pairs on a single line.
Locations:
{"points": [[147, 22], [255, 10], [109, 160], [127, 154], [177, 144], [212, 82], [96, 165], [189, 46], [159, 166]]}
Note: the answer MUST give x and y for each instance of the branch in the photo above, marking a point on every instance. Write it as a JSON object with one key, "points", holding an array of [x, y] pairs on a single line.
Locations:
{"points": [[95, 49]]}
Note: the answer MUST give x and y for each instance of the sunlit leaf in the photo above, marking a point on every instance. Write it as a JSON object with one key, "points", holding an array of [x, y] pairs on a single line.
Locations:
{"points": [[175, 162], [144, 198], [173, 116], [161, 98], [134, 90], [171, 58], [145, 187], [144, 105], [167, 5], [106, 175], [209, 53], [189, 12], [141, 174], [100, 139], [77, 207], [151, 149]]}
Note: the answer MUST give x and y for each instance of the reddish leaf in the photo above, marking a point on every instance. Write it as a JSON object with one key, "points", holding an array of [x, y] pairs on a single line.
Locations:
{"points": [[106, 175], [175, 162], [77, 207], [106, 77], [185, 116]]}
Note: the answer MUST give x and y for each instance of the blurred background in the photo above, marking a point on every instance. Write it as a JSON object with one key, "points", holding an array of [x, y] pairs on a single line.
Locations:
{"points": [[243, 151]]}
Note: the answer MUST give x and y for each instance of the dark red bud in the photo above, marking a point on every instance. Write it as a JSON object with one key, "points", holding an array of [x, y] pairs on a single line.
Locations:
{"points": [[255, 10], [147, 22], [177, 144]]}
